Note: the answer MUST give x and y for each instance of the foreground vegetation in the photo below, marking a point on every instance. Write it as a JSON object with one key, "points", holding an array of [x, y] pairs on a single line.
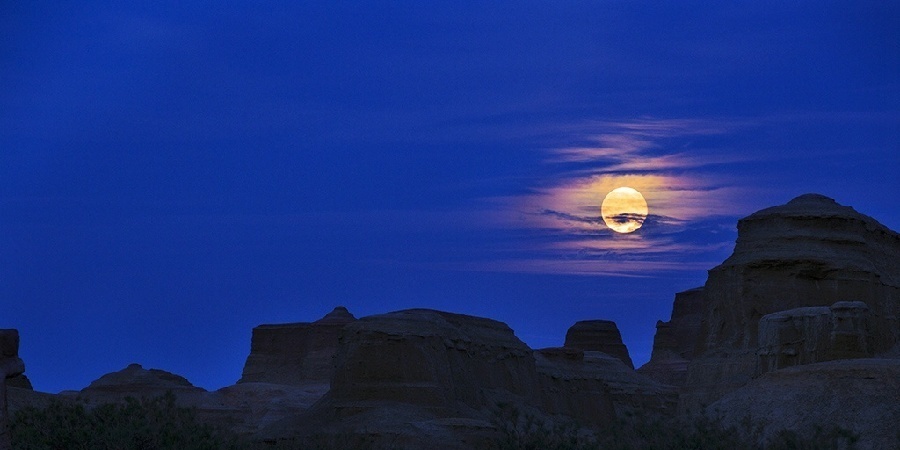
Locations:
{"points": [[525, 432], [159, 424], [147, 424]]}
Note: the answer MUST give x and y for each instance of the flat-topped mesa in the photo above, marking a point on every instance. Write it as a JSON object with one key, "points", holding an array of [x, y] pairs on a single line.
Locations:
{"points": [[295, 353], [600, 336], [423, 378], [675, 340], [810, 252], [432, 359]]}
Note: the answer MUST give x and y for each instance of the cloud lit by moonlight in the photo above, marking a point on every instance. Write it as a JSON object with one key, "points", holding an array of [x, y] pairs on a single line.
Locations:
{"points": [[624, 210]]}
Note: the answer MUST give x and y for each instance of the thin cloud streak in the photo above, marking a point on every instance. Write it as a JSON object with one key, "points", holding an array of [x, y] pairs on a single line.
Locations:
{"points": [[631, 269], [660, 159]]}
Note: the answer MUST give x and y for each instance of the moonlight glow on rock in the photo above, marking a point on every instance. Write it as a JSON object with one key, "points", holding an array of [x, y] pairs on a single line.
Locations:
{"points": [[624, 210]]}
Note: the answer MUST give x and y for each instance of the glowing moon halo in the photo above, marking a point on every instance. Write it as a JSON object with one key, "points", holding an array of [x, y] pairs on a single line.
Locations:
{"points": [[624, 210]]}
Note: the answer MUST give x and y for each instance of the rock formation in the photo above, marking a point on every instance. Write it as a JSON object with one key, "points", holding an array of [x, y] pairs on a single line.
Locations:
{"points": [[674, 341], [811, 252], [424, 378], [793, 337], [417, 376], [136, 381], [588, 380], [10, 366], [798, 328], [813, 334], [19, 381], [850, 332], [572, 380], [600, 336], [295, 353]]}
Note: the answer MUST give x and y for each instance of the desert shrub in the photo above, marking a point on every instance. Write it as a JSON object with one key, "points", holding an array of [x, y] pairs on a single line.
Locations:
{"points": [[641, 431], [521, 430], [525, 431], [146, 424]]}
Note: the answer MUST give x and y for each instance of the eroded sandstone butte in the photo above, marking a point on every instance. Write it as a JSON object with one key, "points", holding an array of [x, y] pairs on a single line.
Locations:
{"points": [[423, 378], [295, 353], [10, 366], [675, 340], [810, 252], [598, 336], [432, 379]]}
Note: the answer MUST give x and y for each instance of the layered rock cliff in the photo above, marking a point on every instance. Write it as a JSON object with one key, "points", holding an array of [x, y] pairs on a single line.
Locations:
{"points": [[810, 252], [814, 334], [675, 340], [797, 329], [10, 366], [295, 353], [421, 378], [598, 336]]}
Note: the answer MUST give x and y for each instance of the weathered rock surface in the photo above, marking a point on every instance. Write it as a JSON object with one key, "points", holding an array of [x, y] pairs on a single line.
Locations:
{"points": [[598, 336], [591, 382], [569, 384], [810, 252], [135, 381], [245, 408], [295, 353], [675, 340], [858, 395], [19, 381], [425, 378], [813, 334], [10, 366]]}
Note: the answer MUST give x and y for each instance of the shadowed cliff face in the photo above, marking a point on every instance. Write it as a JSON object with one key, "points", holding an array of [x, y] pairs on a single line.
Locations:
{"points": [[674, 342], [810, 252], [295, 353], [600, 336], [10, 366]]}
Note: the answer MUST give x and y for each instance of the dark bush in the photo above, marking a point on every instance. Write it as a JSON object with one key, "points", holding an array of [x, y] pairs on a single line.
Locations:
{"points": [[520, 430], [146, 424]]}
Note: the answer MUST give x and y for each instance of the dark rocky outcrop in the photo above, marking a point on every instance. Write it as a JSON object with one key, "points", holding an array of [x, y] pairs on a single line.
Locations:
{"points": [[589, 380], [598, 336], [295, 353], [425, 378], [419, 377], [798, 328], [811, 252], [675, 340], [814, 334], [570, 381], [10, 366], [136, 381]]}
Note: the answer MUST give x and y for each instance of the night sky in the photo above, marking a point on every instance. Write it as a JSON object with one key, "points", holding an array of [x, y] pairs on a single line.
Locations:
{"points": [[173, 175]]}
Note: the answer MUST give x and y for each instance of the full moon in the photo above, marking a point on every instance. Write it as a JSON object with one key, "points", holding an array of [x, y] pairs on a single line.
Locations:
{"points": [[624, 210]]}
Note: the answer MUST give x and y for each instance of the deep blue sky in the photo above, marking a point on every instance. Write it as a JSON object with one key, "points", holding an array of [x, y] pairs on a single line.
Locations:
{"points": [[172, 175]]}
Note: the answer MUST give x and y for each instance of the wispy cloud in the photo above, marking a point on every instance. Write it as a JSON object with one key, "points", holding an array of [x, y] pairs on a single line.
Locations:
{"points": [[671, 162]]}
